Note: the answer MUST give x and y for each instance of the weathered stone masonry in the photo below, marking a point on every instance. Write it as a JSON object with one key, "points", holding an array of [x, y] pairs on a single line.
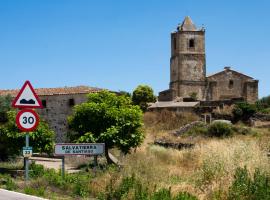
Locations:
{"points": [[188, 71]]}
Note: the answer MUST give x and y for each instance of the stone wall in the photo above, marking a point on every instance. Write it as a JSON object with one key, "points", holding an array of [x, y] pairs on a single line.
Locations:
{"points": [[229, 84], [58, 108]]}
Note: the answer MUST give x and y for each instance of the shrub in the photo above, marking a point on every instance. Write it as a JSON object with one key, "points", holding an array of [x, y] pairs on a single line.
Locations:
{"points": [[243, 111], [10, 184], [162, 194], [244, 130], [244, 187], [36, 170], [184, 196], [132, 188], [35, 191], [220, 129], [199, 129]]}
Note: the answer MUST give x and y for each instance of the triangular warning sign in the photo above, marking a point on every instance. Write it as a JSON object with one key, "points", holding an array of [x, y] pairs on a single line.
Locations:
{"points": [[27, 98]]}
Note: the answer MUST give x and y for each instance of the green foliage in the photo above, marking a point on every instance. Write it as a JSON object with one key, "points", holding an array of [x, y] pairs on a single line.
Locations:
{"points": [[142, 95], [5, 105], [245, 187], [40, 191], [42, 139], [77, 184], [132, 188], [263, 103], [7, 182], [243, 130], [184, 196], [199, 129], [107, 118], [164, 194], [193, 96], [124, 93], [220, 129], [243, 111]]}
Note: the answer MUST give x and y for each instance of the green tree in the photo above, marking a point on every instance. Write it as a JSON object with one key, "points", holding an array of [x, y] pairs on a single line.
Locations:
{"points": [[243, 111], [142, 95], [5, 105], [107, 118], [12, 139]]}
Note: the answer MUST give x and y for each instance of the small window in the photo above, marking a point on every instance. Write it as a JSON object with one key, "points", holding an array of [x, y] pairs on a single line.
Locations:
{"points": [[44, 103], [71, 102], [231, 84], [174, 43], [191, 43]]}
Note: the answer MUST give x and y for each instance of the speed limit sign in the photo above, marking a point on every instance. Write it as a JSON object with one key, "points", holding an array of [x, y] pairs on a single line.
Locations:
{"points": [[27, 120]]}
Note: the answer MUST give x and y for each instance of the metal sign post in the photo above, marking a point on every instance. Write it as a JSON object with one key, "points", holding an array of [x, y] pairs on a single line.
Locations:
{"points": [[63, 167], [26, 158], [27, 120], [92, 149]]}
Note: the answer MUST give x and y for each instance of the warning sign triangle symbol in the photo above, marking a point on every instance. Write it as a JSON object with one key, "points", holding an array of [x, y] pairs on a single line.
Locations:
{"points": [[27, 98]]}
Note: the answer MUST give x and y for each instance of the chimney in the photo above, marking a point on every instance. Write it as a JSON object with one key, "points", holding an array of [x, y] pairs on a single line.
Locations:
{"points": [[227, 67]]}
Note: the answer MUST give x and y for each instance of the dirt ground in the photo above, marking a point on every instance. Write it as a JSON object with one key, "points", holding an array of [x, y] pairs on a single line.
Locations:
{"points": [[54, 163]]}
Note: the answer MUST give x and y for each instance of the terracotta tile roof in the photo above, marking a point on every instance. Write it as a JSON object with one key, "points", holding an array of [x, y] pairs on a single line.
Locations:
{"points": [[54, 91]]}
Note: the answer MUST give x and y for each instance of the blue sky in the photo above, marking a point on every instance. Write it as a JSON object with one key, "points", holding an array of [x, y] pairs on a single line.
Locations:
{"points": [[120, 44]]}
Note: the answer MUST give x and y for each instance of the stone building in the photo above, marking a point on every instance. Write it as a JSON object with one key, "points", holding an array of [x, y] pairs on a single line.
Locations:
{"points": [[188, 71], [58, 104]]}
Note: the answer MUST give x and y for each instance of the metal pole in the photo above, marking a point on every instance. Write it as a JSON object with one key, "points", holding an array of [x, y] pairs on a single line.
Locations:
{"points": [[63, 167], [26, 159], [95, 165]]}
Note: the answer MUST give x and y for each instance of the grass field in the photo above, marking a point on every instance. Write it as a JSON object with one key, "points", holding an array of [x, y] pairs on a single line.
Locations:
{"points": [[207, 171]]}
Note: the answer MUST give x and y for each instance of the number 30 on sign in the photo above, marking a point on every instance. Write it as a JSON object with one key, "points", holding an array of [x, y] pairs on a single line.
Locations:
{"points": [[27, 120]]}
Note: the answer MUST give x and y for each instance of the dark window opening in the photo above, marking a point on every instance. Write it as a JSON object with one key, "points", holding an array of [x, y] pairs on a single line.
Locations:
{"points": [[231, 84], [44, 103], [71, 102], [174, 43], [191, 43]]}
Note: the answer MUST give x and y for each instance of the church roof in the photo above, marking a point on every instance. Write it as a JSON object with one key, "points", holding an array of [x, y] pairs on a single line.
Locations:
{"points": [[173, 104], [227, 69], [54, 91], [187, 25]]}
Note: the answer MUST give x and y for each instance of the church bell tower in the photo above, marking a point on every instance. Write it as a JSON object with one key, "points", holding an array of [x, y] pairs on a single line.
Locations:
{"points": [[187, 63]]}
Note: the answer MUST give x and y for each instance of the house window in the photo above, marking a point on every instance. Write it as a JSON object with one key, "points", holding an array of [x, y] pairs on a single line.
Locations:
{"points": [[174, 43], [71, 102], [191, 43], [231, 84], [44, 103]]}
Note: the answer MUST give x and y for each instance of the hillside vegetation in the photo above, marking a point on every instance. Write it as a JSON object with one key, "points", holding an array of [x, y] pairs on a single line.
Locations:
{"points": [[234, 166]]}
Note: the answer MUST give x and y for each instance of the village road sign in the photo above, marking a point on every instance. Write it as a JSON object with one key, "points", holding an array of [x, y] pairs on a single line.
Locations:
{"points": [[79, 149], [27, 152], [27, 98], [27, 120]]}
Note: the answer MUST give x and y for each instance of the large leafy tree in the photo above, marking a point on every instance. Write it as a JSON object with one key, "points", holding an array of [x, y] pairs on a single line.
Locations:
{"points": [[143, 95], [110, 119], [5, 105], [12, 139]]}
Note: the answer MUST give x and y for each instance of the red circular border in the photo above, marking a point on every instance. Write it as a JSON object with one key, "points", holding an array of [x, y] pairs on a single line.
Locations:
{"points": [[18, 121]]}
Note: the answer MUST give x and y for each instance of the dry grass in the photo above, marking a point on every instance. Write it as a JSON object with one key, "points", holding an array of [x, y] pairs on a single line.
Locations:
{"points": [[206, 170], [226, 110], [167, 120]]}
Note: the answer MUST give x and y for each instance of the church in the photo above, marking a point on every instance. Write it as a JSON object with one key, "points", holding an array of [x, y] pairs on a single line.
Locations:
{"points": [[188, 77]]}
